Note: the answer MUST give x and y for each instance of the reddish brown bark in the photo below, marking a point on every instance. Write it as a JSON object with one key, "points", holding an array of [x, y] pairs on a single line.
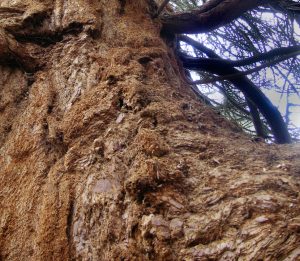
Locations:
{"points": [[107, 155]]}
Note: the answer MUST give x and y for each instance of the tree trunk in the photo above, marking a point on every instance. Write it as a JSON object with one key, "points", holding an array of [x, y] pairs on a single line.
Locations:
{"points": [[105, 154]]}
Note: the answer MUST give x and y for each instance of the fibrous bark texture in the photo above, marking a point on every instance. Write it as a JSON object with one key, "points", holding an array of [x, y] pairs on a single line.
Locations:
{"points": [[105, 154]]}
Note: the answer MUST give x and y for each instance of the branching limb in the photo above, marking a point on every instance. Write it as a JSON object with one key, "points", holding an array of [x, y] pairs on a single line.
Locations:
{"points": [[251, 91], [253, 109], [244, 73], [284, 52], [209, 16]]}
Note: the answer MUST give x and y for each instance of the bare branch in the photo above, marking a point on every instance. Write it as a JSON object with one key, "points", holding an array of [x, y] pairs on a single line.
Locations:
{"points": [[209, 16], [282, 51], [285, 52], [256, 69], [250, 90]]}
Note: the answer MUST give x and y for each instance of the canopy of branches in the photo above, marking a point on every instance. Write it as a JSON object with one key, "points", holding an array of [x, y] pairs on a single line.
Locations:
{"points": [[242, 51]]}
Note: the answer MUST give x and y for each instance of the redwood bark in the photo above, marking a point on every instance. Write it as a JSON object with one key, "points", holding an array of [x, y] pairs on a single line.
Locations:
{"points": [[105, 154]]}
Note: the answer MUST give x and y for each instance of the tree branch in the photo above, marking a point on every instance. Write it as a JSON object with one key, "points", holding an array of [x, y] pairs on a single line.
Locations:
{"points": [[285, 52], [209, 16], [259, 128], [244, 73], [252, 107], [251, 91], [290, 51]]}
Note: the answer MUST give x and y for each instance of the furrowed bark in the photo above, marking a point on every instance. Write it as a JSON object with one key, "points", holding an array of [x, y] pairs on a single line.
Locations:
{"points": [[107, 154], [17, 54]]}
